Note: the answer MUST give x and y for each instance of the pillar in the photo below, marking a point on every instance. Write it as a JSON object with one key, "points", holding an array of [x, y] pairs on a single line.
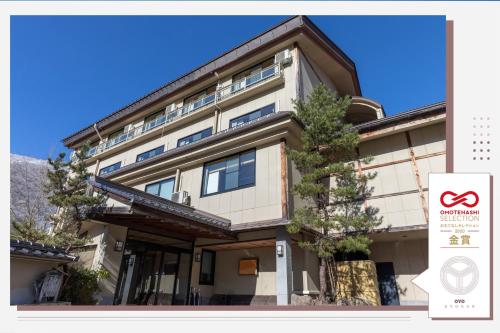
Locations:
{"points": [[284, 282]]}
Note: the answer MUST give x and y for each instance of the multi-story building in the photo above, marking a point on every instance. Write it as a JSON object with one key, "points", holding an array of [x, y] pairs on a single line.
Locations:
{"points": [[198, 182]]}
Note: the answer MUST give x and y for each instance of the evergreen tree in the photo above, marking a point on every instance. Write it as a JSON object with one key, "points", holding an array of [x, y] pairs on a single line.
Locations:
{"points": [[334, 191], [67, 189]]}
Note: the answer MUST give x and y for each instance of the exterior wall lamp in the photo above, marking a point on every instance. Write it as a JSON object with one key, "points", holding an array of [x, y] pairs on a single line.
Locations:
{"points": [[119, 246], [280, 251], [197, 257]]}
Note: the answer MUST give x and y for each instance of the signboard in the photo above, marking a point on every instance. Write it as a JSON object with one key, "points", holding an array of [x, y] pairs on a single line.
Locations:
{"points": [[458, 277]]}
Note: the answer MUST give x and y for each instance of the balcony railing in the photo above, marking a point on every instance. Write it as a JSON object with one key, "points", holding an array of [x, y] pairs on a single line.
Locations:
{"points": [[220, 94]]}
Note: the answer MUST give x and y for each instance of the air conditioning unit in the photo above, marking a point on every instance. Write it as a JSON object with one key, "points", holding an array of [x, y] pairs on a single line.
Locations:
{"points": [[181, 197], [284, 57]]}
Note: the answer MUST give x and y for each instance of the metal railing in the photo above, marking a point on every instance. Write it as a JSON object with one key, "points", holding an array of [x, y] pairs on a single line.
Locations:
{"points": [[247, 82], [220, 94]]}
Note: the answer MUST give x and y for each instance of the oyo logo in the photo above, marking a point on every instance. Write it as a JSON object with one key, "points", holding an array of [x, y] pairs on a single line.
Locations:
{"points": [[468, 199]]}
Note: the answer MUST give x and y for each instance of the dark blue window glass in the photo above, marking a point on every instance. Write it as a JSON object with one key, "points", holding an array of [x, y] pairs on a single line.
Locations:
{"points": [[252, 116], [110, 168], [194, 137], [230, 173], [163, 189], [150, 153]]}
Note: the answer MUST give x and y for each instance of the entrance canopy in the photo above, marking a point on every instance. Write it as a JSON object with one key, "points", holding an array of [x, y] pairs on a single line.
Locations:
{"points": [[149, 213]]}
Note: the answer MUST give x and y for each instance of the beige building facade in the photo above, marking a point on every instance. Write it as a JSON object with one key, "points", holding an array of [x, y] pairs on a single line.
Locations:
{"points": [[199, 185]]}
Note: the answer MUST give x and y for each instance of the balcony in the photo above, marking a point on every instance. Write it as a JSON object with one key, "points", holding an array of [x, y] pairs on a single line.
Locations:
{"points": [[220, 96]]}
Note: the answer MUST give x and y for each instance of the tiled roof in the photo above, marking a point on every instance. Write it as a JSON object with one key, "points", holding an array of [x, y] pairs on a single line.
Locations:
{"points": [[424, 111], [203, 142], [158, 203], [364, 127], [41, 251]]}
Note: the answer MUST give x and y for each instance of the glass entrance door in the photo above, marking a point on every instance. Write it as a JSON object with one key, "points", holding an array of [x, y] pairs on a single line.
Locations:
{"points": [[151, 275], [166, 282]]}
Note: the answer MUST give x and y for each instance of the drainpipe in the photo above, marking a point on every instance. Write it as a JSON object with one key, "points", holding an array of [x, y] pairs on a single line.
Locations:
{"points": [[97, 131], [216, 120], [97, 167], [177, 180], [217, 108]]}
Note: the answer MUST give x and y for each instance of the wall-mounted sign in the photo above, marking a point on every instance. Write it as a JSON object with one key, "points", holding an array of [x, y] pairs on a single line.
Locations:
{"points": [[249, 266]]}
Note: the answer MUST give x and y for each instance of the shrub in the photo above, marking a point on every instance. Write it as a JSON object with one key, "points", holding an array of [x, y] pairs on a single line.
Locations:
{"points": [[82, 284]]}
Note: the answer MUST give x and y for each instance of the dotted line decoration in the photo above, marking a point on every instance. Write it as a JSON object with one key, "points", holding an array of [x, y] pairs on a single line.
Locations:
{"points": [[481, 143]]}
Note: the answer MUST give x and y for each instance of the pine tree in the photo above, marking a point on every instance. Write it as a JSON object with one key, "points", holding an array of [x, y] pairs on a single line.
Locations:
{"points": [[67, 189], [334, 191]]}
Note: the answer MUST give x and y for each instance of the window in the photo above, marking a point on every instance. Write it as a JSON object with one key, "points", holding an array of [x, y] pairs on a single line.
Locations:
{"points": [[208, 91], [118, 137], [163, 189], [154, 120], [199, 99], [207, 269], [150, 153], [93, 149], [251, 116], [253, 75], [255, 69], [110, 168], [231, 173], [194, 137]]}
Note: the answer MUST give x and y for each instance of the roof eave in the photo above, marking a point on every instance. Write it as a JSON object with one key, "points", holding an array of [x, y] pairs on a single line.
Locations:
{"points": [[302, 25]]}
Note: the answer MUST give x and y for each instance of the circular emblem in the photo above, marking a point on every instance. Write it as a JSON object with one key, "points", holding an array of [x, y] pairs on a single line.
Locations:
{"points": [[459, 275]]}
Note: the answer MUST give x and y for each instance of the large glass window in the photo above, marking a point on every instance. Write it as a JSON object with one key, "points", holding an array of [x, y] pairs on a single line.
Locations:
{"points": [[230, 173], [207, 269], [163, 189], [150, 153], [194, 137], [252, 116], [110, 168]]}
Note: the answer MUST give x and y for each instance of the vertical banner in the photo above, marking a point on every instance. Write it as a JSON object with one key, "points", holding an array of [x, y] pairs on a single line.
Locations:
{"points": [[459, 273]]}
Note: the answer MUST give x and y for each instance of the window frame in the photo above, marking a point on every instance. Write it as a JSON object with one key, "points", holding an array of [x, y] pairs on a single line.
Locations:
{"points": [[249, 69], [109, 166], [148, 151], [190, 135], [212, 269], [248, 113], [160, 182], [200, 94], [202, 195], [154, 115]]}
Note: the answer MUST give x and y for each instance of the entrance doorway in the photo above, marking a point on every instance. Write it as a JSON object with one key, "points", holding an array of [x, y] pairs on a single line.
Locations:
{"points": [[154, 274], [387, 283]]}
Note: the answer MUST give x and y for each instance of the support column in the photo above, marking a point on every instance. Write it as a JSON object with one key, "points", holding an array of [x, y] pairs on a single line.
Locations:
{"points": [[284, 278], [284, 180]]}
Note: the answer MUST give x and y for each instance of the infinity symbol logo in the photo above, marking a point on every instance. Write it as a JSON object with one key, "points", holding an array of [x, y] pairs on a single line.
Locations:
{"points": [[468, 199]]}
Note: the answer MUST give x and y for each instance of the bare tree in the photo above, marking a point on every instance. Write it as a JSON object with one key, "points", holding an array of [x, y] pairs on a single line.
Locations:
{"points": [[29, 206]]}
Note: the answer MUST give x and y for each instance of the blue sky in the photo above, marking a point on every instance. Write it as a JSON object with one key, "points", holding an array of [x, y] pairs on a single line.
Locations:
{"points": [[69, 71]]}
